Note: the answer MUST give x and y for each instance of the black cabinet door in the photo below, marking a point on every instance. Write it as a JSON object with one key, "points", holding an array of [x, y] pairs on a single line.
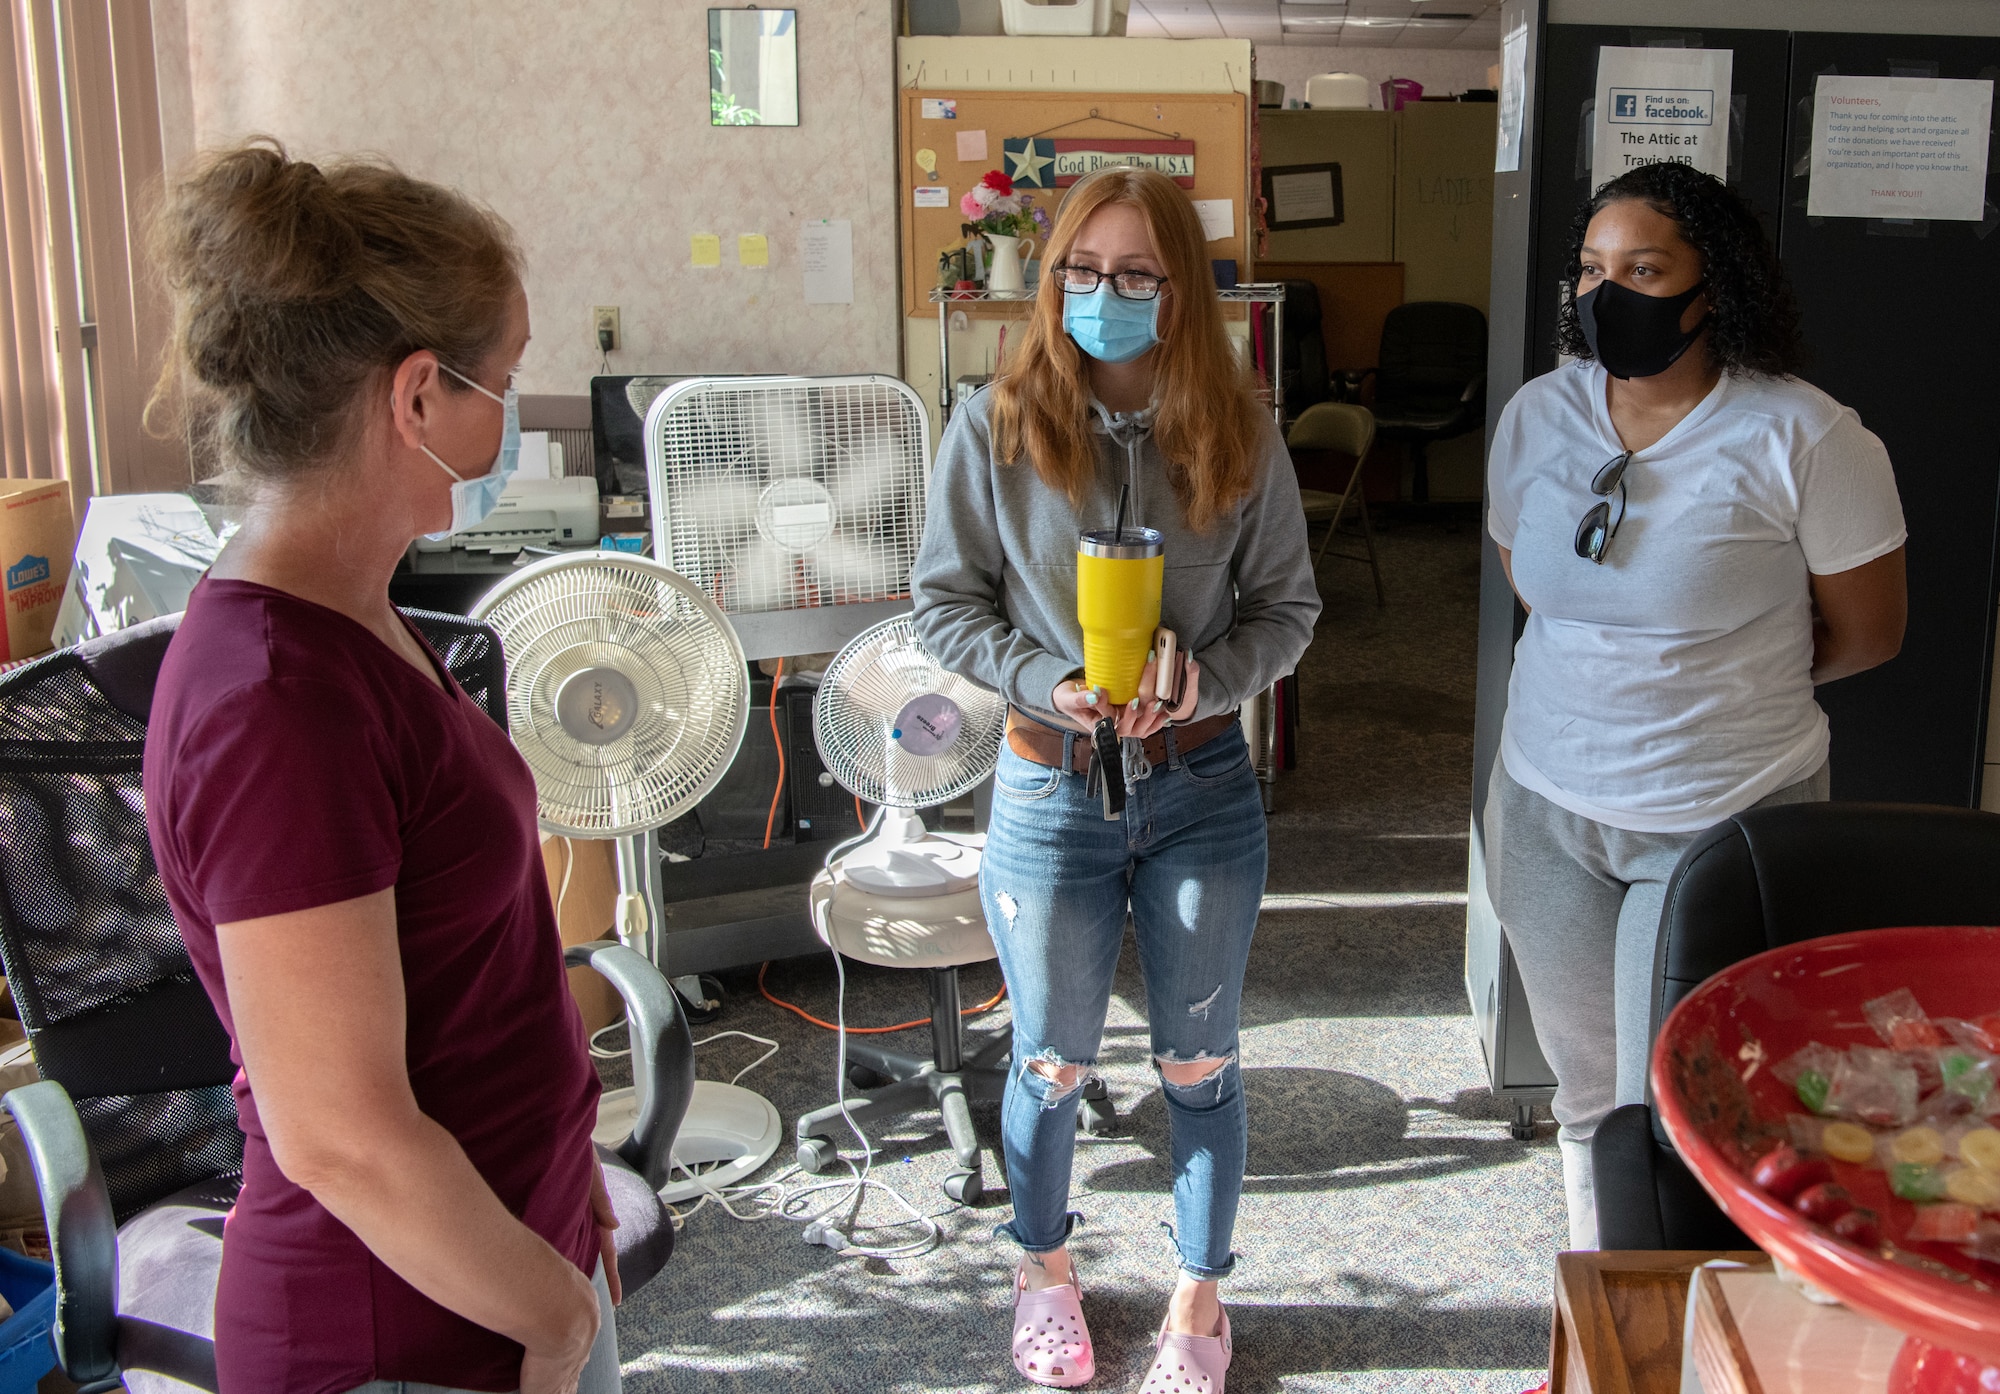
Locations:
{"points": [[1902, 322], [1759, 72]]}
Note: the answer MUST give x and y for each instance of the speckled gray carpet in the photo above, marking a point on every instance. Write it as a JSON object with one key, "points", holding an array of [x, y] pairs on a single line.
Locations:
{"points": [[1393, 1236]]}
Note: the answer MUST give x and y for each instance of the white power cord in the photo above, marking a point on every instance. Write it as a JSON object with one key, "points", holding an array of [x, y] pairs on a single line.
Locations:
{"points": [[773, 1197]]}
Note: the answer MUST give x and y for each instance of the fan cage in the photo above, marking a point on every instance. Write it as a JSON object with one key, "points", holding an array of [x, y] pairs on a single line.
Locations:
{"points": [[866, 687], [567, 614], [789, 493]]}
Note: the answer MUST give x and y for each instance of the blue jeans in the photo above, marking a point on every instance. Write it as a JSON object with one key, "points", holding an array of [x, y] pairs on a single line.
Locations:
{"points": [[1189, 859]]}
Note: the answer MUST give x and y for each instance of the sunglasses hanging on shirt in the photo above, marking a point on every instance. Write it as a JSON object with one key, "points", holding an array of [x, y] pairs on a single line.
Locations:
{"points": [[1594, 533]]}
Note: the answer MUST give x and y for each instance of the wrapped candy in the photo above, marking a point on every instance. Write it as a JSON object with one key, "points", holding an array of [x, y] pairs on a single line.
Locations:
{"points": [[1901, 1021], [1809, 1071], [1874, 1086], [1949, 1223]]}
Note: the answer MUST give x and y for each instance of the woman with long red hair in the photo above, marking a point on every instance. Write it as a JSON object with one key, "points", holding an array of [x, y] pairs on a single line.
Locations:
{"points": [[1126, 382]]}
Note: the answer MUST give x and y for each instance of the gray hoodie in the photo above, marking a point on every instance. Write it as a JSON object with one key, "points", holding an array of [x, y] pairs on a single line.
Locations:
{"points": [[995, 578]]}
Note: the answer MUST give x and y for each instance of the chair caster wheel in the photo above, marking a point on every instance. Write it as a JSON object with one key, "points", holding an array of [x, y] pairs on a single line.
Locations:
{"points": [[1522, 1129], [862, 1078], [1096, 1117], [709, 1007], [816, 1154], [965, 1187]]}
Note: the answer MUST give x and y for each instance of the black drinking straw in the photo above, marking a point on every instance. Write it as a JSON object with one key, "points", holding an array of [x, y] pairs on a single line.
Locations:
{"points": [[1124, 499]]}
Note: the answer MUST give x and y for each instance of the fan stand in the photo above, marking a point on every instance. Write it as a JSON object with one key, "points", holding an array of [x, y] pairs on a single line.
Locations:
{"points": [[902, 858], [729, 1131]]}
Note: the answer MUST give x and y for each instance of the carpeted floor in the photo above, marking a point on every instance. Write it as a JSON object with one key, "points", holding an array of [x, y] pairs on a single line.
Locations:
{"points": [[1393, 1236]]}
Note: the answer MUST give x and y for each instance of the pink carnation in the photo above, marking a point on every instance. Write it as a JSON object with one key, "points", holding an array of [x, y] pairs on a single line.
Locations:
{"points": [[969, 206]]}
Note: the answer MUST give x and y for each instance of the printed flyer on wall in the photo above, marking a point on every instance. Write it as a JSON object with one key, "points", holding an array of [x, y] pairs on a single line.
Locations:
{"points": [[1900, 147], [1659, 105]]}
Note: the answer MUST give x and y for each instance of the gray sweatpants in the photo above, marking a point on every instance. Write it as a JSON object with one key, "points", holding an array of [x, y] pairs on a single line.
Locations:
{"points": [[1581, 903]]}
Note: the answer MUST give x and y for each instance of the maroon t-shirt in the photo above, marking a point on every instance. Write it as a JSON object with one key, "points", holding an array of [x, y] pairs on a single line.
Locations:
{"points": [[294, 760]]}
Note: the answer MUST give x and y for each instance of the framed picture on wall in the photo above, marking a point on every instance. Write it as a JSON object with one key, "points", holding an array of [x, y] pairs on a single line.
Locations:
{"points": [[753, 67], [1301, 196]]}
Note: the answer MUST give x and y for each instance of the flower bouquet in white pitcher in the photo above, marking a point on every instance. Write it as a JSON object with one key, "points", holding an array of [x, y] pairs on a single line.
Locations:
{"points": [[1010, 223]]}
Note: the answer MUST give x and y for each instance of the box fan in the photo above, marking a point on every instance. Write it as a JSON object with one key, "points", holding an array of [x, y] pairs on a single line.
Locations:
{"points": [[795, 503]]}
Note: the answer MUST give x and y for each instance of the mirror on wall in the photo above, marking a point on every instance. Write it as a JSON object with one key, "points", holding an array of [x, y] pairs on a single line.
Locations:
{"points": [[753, 67]]}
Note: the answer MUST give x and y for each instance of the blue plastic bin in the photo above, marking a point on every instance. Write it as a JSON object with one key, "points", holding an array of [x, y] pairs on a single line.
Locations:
{"points": [[26, 1354]]}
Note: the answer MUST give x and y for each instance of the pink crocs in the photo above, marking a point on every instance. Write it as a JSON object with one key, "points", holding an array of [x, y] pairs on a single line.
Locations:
{"points": [[1188, 1364], [1051, 1343]]}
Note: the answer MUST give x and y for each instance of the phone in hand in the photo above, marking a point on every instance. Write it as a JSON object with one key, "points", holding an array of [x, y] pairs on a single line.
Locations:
{"points": [[1170, 672]]}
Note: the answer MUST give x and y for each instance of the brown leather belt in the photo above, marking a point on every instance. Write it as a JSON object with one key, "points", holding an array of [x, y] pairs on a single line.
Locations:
{"points": [[1043, 744]]}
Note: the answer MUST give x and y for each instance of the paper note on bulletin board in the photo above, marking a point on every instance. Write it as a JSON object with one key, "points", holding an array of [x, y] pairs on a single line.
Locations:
{"points": [[826, 257], [1900, 147], [1661, 105]]}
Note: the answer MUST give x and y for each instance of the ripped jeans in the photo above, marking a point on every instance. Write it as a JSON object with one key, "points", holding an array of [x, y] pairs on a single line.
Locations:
{"points": [[1189, 858]]}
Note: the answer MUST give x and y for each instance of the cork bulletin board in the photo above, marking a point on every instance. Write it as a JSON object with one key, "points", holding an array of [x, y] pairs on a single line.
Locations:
{"points": [[1215, 122]]}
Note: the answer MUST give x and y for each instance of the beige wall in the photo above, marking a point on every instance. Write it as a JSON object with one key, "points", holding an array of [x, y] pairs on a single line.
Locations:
{"points": [[586, 127]]}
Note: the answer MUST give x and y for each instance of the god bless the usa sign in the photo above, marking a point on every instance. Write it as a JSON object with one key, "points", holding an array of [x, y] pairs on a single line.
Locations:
{"points": [[1676, 106], [1037, 162]]}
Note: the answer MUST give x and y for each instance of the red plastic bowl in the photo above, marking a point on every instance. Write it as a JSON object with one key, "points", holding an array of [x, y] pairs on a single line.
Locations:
{"points": [[1722, 1107]]}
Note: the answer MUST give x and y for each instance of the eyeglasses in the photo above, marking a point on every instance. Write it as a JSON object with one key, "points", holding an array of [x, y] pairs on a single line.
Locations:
{"points": [[1594, 533], [1127, 285]]}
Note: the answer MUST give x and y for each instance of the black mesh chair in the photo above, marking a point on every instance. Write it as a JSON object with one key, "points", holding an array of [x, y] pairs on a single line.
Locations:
{"points": [[1430, 380], [1766, 878], [1302, 355], [132, 1130]]}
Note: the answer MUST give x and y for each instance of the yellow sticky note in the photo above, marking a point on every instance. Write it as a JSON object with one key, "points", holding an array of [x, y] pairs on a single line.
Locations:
{"points": [[753, 249], [705, 249]]}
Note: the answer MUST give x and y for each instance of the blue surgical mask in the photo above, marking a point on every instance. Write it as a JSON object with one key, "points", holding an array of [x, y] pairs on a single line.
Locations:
{"points": [[1109, 327], [473, 500]]}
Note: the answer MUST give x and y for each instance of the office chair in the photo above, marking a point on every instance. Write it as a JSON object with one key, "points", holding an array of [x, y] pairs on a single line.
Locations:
{"points": [[1430, 382], [1349, 429], [939, 935], [132, 1129], [1302, 354], [1766, 878]]}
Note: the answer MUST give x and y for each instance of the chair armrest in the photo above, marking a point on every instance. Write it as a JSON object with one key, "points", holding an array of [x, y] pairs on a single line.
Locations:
{"points": [[83, 1235], [1475, 390], [662, 1053], [1346, 382], [1623, 1157]]}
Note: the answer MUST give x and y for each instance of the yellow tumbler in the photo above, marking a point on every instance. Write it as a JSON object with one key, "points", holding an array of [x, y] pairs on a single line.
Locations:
{"points": [[1118, 575]]}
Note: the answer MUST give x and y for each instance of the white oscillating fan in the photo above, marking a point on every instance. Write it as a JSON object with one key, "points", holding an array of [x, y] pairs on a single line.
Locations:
{"points": [[898, 730], [627, 695], [796, 503]]}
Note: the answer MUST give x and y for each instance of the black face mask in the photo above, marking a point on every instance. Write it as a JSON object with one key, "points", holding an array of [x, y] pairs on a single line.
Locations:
{"points": [[1635, 335]]}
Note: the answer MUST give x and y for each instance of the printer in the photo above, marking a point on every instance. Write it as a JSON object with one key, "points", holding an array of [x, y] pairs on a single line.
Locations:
{"points": [[531, 513]]}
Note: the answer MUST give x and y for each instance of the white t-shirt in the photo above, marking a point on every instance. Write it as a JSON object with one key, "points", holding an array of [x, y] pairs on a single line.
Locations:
{"points": [[1670, 687]]}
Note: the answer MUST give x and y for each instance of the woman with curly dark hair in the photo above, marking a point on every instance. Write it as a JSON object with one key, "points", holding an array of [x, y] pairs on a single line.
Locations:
{"points": [[1699, 538]]}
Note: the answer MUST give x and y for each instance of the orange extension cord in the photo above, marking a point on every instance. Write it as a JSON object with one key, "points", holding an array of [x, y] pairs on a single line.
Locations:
{"points": [[771, 818], [988, 1005]]}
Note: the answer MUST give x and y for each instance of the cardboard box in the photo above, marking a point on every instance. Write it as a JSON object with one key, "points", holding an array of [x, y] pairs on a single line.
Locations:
{"points": [[584, 911], [37, 537]]}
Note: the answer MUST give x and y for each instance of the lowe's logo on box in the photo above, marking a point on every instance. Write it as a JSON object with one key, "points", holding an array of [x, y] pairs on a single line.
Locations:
{"points": [[27, 571], [1677, 106]]}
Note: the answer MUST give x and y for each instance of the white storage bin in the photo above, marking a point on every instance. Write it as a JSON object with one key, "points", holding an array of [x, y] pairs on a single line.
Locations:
{"points": [[1339, 91], [1064, 18]]}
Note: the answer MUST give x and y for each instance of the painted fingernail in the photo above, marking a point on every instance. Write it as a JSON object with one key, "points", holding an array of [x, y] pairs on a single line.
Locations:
{"points": [[1160, 705], [1133, 705]]}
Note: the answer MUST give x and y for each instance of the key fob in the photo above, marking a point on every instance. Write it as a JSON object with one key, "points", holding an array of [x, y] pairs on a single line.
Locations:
{"points": [[1109, 762]]}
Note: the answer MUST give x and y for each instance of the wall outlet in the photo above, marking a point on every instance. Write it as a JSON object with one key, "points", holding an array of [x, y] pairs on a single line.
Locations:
{"points": [[602, 318]]}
